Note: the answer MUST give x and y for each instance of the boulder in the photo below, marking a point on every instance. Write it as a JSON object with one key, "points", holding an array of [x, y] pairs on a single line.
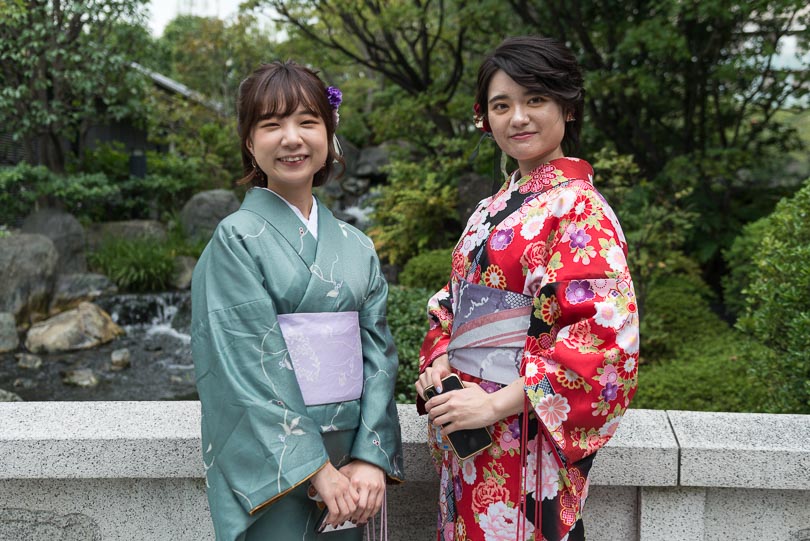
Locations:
{"points": [[472, 188], [28, 361], [371, 162], [73, 289], [126, 229], [66, 233], [28, 267], [183, 269], [351, 155], [8, 396], [9, 340], [81, 328], [119, 359], [81, 377], [202, 213]]}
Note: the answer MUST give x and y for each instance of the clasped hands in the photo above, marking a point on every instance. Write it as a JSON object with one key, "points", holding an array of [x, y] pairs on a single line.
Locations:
{"points": [[470, 407], [354, 492]]}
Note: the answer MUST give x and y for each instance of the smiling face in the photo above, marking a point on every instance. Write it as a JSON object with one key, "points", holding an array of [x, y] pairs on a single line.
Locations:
{"points": [[527, 125], [290, 150]]}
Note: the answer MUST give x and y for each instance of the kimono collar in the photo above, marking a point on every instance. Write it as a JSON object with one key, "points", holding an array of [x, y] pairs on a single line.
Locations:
{"points": [[553, 173]]}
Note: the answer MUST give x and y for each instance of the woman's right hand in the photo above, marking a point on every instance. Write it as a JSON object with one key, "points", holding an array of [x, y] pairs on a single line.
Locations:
{"points": [[337, 493], [433, 374]]}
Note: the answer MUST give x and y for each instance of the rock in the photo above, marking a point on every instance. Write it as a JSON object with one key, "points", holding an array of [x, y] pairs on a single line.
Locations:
{"points": [[73, 289], [371, 162], [9, 340], [81, 328], [202, 213], [119, 359], [24, 383], [351, 155], [181, 321], [176, 380], [354, 185], [472, 188], [28, 361], [183, 269], [8, 396], [128, 229], [27, 265], [81, 377], [66, 233]]}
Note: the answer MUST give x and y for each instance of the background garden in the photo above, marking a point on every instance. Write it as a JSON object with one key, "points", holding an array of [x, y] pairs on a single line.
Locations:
{"points": [[697, 125]]}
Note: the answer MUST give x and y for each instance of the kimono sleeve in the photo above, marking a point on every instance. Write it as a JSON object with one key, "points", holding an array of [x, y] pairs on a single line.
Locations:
{"points": [[580, 359], [258, 442], [440, 316], [378, 440]]}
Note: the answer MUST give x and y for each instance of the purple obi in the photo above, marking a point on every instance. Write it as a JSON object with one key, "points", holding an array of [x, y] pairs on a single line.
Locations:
{"points": [[489, 332], [326, 355]]}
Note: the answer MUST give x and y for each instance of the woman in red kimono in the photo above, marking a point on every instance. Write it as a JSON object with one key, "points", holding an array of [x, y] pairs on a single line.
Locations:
{"points": [[539, 317]]}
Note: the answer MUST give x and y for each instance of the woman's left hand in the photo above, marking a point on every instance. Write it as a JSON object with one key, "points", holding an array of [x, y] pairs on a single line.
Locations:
{"points": [[470, 407], [369, 481]]}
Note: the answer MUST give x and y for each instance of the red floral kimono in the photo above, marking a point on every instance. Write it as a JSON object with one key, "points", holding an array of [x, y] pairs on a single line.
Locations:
{"points": [[549, 238]]}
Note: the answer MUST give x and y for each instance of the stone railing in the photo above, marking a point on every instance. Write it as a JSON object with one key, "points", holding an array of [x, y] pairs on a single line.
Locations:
{"points": [[132, 471]]}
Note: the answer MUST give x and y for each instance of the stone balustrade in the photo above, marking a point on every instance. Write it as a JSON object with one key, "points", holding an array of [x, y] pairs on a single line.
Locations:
{"points": [[132, 471]]}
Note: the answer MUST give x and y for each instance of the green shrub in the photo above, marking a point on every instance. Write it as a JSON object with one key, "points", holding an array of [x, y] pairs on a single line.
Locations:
{"points": [[20, 187], [135, 265], [110, 158], [429, 270], [698, 362], [407, 319], [741, 267], [86, 196], [777, 303]]}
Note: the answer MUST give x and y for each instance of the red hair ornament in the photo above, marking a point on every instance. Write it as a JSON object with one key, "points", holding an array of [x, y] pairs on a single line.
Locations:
{"points": [[480, 119]]}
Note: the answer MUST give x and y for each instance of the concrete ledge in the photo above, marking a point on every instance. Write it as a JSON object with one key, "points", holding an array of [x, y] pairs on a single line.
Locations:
{"points": [[745, 450], [133, 471]]}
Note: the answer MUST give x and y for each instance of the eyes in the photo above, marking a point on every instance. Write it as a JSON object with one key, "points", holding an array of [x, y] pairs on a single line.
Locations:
{"points": [[275, 122], [502, 105]]}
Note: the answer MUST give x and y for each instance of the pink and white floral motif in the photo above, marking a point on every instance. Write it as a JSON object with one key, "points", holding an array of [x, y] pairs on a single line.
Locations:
{"points": [[615, 258], [608, 315], [563, 204], [500, 522], [468, 471], [609, 428], [553, 410], [532, 227], [549, 475], [627, 337], [497, 205], [610, 375]]}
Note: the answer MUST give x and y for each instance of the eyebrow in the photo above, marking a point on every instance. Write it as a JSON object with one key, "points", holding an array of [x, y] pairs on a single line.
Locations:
{"points": [[498, 97], [305, 111]]}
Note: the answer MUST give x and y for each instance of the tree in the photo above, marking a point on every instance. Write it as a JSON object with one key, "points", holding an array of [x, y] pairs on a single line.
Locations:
{"points": [[421, 47], [58, 72]]}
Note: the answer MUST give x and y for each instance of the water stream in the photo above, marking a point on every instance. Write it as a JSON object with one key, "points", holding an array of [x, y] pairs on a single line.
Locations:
{"points": [[157, 338]]}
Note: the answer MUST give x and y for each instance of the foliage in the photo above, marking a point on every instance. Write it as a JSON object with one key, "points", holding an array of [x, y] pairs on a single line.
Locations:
{"points": [[61, 72], [429, 269], [143, 264], [652, 218], [135, 265], [407, 319], [777, 306], [693, 360], [416, 210], [742, 271], [20, 186]]}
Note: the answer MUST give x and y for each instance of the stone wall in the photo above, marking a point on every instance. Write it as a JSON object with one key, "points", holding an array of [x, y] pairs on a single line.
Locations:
{"points": [[132, 471]]}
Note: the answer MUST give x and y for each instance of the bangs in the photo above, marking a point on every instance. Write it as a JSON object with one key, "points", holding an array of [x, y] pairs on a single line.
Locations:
{"points": [[287, 95]]}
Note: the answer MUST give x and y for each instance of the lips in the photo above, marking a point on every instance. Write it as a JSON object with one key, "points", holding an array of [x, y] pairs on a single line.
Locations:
{"points": [[293, 159], [522, 135]]}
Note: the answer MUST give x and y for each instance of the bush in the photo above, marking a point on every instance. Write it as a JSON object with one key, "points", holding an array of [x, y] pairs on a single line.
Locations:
{"points": [[741, 268], [20, 187], [429, 270], [699, 361], [777, 303], [407, 319], [135, 265]]}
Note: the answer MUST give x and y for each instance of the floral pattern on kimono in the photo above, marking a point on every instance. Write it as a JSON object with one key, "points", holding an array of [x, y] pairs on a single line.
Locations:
{"points": [[551, 236]]}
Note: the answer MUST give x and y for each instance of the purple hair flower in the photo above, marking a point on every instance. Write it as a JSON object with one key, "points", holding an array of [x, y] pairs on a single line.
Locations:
{"points": [[335, 96], [579, 291], [610, 391]]}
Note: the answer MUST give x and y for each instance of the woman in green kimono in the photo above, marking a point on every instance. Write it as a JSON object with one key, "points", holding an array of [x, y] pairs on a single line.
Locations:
{"points": [[294, 361]]}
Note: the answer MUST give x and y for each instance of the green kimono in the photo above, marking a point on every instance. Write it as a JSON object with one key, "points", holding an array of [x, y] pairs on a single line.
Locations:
{"points": [[261, 443]]}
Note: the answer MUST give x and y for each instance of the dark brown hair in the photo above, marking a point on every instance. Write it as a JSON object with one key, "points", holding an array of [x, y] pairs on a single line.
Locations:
{"points": [[279, 88], [542, 65]]}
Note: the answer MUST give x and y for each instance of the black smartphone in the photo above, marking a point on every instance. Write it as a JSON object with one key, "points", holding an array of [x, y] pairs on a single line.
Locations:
{"points": [[323, 527], [465, 443]]}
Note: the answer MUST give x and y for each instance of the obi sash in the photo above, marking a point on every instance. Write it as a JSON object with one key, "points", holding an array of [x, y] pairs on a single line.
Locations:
{"points": [[489, 331], [326, 355]]}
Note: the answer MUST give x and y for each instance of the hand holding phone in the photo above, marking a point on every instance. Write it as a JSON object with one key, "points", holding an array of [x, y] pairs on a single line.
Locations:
{"points": [[468, 442]]}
